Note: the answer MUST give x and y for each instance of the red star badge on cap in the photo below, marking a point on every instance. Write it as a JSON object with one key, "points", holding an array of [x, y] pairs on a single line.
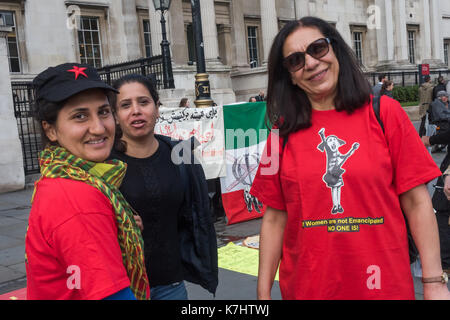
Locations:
{"points": [[78, 71]]}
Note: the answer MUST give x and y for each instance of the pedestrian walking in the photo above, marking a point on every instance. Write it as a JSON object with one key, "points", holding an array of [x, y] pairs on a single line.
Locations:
{"points": [[377, 88], [386, 89], [425, 99], [169, 192], [334, 218], [440, 86], [82, 240]]}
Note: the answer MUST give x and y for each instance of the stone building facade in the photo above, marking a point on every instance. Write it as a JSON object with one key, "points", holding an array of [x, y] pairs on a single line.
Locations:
{"points": [[385, 34]]}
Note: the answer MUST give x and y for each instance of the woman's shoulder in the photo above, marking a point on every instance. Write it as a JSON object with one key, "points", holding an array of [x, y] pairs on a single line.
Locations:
{"points": [[70, 194]]}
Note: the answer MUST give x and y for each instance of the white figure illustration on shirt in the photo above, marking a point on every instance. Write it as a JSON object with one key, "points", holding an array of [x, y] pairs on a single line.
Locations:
{"points": [[334, 171]]}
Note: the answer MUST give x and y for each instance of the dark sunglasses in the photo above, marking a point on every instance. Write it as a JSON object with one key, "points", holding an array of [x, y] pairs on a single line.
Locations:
{"points": [[317, 50]]}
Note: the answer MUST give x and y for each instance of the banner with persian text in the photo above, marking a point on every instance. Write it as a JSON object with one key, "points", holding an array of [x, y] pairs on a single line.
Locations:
{"points": [[206, 125]]}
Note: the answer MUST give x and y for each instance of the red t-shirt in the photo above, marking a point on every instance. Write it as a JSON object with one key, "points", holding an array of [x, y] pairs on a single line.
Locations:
{"points": [[339, 182], [72, 251]]}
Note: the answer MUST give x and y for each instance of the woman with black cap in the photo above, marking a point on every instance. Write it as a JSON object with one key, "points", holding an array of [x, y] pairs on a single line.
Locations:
{"points": [[82, 241]]}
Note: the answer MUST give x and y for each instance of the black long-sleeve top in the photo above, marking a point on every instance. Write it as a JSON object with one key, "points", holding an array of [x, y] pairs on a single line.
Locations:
{"points": [[441, 138]]}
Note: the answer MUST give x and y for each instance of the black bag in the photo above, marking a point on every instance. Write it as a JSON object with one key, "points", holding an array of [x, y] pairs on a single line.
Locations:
{"points": [[413, 252]]}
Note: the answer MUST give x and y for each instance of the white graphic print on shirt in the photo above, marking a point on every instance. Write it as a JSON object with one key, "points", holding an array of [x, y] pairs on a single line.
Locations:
{"points": [[335, 160]]}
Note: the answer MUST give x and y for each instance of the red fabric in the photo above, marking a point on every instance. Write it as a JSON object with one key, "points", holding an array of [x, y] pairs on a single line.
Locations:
{"points": [[367, 259], [236, 210], [72, 232]]}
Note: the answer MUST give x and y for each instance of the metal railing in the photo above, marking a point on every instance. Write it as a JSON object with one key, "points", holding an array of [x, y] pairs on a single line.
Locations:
{"points": [[29, 129], [151, 67], [405, 78]]}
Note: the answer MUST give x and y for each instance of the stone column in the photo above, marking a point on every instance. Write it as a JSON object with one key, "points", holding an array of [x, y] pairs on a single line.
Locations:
{"points": [[239, 43], [301, 8], [209, 30], [49, 34], [437, 45], [131, 29], [426, 53], [385, 35], [155, 28], [401, 32], [269, 26], [12, 175], [178, 43]]}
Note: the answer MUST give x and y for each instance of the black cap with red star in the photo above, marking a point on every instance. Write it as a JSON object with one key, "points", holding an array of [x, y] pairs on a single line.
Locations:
{"points": [[59, 83]]}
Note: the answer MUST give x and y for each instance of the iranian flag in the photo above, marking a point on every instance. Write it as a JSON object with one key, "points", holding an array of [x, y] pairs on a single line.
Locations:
{"points": [[245, 139]]}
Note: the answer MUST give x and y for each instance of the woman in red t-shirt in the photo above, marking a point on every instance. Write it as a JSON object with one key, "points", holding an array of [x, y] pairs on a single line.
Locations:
{"points": [[82, 241], [334, 222]]}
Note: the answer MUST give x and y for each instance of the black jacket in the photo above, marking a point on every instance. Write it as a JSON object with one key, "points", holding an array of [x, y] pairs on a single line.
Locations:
{"points": [[197, 235], [440, 201]]}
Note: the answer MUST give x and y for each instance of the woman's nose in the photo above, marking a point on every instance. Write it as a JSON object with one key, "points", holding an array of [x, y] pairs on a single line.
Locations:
{"points": [[310, 62], [97, 126]]}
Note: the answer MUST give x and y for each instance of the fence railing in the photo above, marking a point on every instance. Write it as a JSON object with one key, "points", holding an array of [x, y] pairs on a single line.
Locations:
{"points": [[151, 67], [29, 129], [405, 78]]}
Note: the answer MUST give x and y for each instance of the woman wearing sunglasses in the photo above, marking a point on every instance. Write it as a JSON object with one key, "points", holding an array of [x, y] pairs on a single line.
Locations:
{"points": [[334, 222], [82, 241]]}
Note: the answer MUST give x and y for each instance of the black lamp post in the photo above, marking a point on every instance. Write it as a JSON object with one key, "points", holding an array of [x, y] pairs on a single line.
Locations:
{"points": [[163, 6], [202, 86]]}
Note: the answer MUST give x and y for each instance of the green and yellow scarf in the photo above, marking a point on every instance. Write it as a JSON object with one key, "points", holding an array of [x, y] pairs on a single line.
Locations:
{"points": [[57, 162]]}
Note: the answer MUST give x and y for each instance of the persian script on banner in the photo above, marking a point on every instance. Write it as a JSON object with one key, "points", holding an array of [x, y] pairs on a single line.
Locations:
{"points": [[206, 125]]}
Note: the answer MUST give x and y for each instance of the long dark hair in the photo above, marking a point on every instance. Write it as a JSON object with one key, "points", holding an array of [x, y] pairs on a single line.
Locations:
{"points": [[288, 106], [119, 144]]}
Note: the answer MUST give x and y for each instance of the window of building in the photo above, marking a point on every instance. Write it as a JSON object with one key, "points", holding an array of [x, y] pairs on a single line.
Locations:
{"points": [[412, 46], [253, 52], [147, 38], [358, 46], [446, 47], [7, 18], [191, 43], [89, 41]]}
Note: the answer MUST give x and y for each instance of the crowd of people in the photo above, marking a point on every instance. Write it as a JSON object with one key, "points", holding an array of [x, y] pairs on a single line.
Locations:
{"points": [[351, 182]]}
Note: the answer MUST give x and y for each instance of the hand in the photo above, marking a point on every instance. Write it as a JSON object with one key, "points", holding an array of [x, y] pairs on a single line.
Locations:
{"points": [[426, 141], [447, 187], [435, 291], [139, 222]]}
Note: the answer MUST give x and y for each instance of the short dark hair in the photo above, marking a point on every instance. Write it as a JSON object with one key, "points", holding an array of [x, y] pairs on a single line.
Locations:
{"points": [[427, 78], [44, 110], [381, 77], [288, 106], [119, 144]]}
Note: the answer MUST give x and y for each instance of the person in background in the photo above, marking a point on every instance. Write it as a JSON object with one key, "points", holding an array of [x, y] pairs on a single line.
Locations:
{"points": [[386, 89], [440, 117], [252, 99], [377, 88], [260, 96], [82, 240], [326, 136], [184, 103], [440, 86], [166, 186], [425, 99], [441, 197]]}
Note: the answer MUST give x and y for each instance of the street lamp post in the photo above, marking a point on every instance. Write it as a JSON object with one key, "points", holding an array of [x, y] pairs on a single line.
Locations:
{"points": [[202, 86], [163, 6]]}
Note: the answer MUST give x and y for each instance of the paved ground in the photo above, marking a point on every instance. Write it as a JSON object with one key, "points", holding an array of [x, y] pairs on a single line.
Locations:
{"points": [[14, 210]]}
